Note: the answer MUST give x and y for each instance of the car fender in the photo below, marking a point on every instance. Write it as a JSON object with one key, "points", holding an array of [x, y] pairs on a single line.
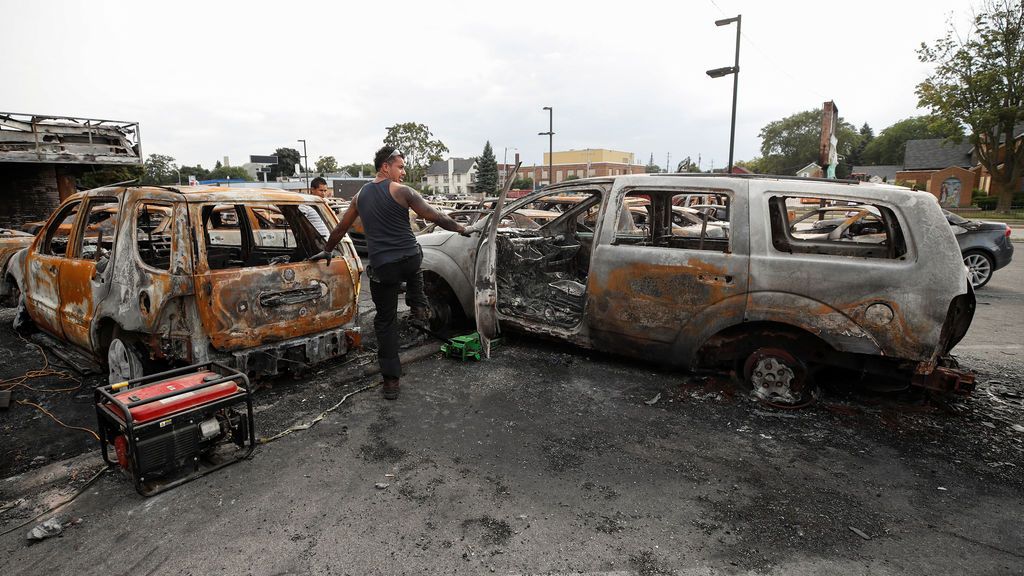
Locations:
{"points": [[14, 269], [440, 263], [818, 318]]}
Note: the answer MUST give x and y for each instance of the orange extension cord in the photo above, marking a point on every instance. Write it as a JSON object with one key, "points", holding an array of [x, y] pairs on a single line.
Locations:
{"points": [[44, 372]]}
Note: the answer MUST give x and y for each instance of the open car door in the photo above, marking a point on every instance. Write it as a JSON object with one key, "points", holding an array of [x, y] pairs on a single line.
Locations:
{"points": [[485, 279]]}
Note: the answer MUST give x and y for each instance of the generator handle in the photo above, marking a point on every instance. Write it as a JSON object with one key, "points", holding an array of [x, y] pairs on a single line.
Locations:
{"points": [[107, 391]]}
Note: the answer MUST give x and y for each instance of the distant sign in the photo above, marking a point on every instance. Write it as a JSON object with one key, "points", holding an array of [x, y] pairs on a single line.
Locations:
{"points": [[263, 159], [192, 180]]}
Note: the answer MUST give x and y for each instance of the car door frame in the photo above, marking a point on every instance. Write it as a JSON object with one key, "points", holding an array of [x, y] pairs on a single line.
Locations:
{"points": [[78, 280], [42, 271], [663, 303]]}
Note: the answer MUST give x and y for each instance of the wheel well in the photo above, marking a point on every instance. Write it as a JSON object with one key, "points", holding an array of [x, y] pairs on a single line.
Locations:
{"points": [[735, 342], [432, 281], [104, 334], [980, 250]]}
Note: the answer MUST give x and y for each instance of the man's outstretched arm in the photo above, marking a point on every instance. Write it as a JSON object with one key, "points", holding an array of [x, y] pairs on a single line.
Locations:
{"points": [[347, 219], [428, 212]]}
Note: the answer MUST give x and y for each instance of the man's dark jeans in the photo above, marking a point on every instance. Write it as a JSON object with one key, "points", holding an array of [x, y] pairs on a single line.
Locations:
{"points": [[385, 282]]}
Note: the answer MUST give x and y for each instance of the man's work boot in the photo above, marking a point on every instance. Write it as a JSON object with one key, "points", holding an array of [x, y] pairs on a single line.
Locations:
{"points": [[421, 317], [390, 388]]}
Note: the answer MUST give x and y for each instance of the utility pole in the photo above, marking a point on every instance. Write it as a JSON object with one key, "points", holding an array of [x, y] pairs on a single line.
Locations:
{"points": [[551, 144], [305, 163]]}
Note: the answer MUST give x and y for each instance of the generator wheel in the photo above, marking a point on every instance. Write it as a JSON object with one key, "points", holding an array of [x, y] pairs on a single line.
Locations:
{"points": [[123, 360]]}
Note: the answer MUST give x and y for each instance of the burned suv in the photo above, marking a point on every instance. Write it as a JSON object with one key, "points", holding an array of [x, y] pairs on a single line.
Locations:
{"points": [[796, 275], [136, 276]]}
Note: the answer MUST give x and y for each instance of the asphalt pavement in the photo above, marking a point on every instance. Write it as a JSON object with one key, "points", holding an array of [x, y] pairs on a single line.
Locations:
{"points": [[551, 460]]}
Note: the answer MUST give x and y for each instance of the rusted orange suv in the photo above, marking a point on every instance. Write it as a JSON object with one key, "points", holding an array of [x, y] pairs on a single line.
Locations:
{"points": [[140, 276]]}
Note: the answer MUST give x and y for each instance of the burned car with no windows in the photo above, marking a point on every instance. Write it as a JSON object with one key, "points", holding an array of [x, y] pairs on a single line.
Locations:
{"points": [[882, 292], [135, 277]]}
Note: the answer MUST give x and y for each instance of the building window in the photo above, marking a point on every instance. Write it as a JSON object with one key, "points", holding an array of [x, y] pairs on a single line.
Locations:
{"points": [[458, 177], [445, 178]]}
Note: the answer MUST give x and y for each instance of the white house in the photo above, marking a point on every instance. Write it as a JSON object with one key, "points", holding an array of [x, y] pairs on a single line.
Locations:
{"points": [[456, 176]]}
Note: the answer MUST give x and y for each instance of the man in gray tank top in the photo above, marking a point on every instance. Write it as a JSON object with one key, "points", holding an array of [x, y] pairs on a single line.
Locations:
{"points": [[395, 256]]}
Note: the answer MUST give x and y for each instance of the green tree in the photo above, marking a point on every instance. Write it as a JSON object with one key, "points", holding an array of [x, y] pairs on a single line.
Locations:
{"points": [[198, 171], [978, 82], [418, 146], [221, 172], [791, 143], [522, 184], [287, 158], [687, 165], [354, 169], [160, 169], [487, 171], [755, 165], [856, 157], [96, 177], [889, 147], [326, 165]]}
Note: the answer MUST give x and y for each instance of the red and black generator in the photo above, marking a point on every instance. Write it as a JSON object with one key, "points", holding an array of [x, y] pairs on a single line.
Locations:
{"points": [[169, 428]]}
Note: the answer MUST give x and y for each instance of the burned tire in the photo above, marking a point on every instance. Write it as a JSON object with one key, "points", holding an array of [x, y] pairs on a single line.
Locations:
{"points": [[124, 362], [779, 366], [23, 323], [446, 312]]}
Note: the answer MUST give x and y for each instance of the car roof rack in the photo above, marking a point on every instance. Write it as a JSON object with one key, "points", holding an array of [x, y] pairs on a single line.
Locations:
{"points": [[758, 177]]}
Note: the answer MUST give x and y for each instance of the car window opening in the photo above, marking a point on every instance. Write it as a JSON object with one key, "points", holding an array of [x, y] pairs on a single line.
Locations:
{"points": [[810, 225], [97, 239], [153, 235], [668, 219], [247, 235], [543, 258]]}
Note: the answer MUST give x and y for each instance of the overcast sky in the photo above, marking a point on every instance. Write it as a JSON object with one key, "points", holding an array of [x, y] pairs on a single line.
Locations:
{"points": [[212, 79]]}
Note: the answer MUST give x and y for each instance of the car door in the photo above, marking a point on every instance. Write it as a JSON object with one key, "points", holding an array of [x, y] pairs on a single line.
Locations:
{"points": [[42, 269], [92, 241], [654, 293], [485, 277], [250, 292]]}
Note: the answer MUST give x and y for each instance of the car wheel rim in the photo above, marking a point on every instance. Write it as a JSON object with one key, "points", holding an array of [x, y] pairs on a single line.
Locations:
{"points": [[978, 268], [775, 376], [120, 362]]}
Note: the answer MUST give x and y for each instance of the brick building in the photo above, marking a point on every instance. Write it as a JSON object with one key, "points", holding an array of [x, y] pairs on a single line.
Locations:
{"points": [[570, 164]]}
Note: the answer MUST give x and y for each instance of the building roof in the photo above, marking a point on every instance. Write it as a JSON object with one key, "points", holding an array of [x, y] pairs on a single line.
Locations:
{"points": [[886, 172], [936, 154], [460, 166]]}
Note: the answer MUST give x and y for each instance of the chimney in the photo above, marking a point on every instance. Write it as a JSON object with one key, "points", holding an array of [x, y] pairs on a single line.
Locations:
{"points": [[517, 157]]}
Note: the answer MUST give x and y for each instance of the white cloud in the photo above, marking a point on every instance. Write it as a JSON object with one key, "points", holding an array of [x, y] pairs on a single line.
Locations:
{"points": [[209, 79]]}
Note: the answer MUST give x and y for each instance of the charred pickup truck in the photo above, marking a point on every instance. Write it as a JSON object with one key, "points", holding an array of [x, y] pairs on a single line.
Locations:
{"points": [[768, 294], [138, 276]]}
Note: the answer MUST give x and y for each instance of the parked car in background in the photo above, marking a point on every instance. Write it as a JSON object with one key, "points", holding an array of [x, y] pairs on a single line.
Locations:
{"points": [[11, 241], [154, 275], [765, 300], [985, 246]]}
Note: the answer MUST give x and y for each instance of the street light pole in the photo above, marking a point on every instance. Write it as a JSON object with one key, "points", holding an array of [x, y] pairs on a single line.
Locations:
{"points": [[305, 163], [551, 144], [735, 71]]}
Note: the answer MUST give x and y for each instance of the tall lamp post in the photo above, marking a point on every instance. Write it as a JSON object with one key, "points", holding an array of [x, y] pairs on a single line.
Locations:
{"points": [[305, 163], [735, 71], [551, 143]]}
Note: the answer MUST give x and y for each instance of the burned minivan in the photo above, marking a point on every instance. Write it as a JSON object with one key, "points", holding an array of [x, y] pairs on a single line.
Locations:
{"points": [[786, 277], [139, 276]]}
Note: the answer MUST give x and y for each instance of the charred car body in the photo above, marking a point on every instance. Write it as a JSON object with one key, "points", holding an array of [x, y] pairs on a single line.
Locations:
{"points": [[138, 275], [765, 299]]}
